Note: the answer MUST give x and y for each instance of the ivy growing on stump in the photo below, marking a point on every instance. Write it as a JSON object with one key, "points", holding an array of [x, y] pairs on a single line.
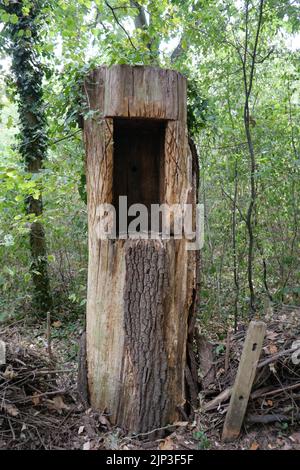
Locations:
{"points": [[22, 23]]}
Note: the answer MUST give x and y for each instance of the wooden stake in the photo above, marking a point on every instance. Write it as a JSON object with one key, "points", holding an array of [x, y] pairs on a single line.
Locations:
{"points": [[244, 380]]}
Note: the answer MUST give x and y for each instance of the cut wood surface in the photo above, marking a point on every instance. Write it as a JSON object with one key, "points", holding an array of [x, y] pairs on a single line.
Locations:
{"points": [[125, 91], [244, 380]]}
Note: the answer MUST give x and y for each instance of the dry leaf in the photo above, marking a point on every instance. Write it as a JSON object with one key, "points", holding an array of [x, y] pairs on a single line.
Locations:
{"points": [[269, 402], [167, 444], [254, 446], [57, 324], [59, 403], [36, 399], [12, 410], [273, 348]]}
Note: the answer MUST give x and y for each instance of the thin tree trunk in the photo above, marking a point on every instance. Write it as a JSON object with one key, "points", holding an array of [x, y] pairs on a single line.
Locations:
{"points": [[248, 83], [234, 249]]}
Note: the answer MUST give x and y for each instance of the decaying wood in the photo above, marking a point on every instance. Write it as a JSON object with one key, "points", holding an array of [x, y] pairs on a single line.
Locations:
{"points": [[140, 292], [244, 380]]}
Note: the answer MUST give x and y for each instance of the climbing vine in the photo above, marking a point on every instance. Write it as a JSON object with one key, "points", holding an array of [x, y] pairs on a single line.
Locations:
{"points": [[21, 36]]}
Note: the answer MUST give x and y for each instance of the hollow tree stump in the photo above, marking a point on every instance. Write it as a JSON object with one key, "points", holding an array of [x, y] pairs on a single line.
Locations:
{"points": [[140, 292]]}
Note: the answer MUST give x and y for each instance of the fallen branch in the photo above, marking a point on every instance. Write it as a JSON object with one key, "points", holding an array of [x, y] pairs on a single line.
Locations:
{"points": [[223, 396], [45, 394], [280, 390]]}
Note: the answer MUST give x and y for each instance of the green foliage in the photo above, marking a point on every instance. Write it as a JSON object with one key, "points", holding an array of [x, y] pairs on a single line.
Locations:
{"points": [[76, 36], [220, 348]]}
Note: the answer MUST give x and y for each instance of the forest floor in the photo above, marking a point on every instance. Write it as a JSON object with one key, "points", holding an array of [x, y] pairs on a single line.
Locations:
{"points": [[40, 409]]}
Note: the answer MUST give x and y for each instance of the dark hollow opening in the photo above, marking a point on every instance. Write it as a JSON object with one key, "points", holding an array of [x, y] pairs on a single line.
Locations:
{"points": [[138, 163]]}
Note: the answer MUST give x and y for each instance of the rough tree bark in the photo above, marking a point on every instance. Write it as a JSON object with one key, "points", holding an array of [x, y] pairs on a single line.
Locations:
{"points": [[141, 293]]}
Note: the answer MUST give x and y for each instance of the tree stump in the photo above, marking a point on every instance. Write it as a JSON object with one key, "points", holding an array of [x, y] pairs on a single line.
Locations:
{"points": [[141, 292]]}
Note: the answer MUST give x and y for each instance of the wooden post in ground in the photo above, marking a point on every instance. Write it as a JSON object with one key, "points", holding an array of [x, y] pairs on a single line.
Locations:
{"points": [[244, 380], [140, 292]]}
